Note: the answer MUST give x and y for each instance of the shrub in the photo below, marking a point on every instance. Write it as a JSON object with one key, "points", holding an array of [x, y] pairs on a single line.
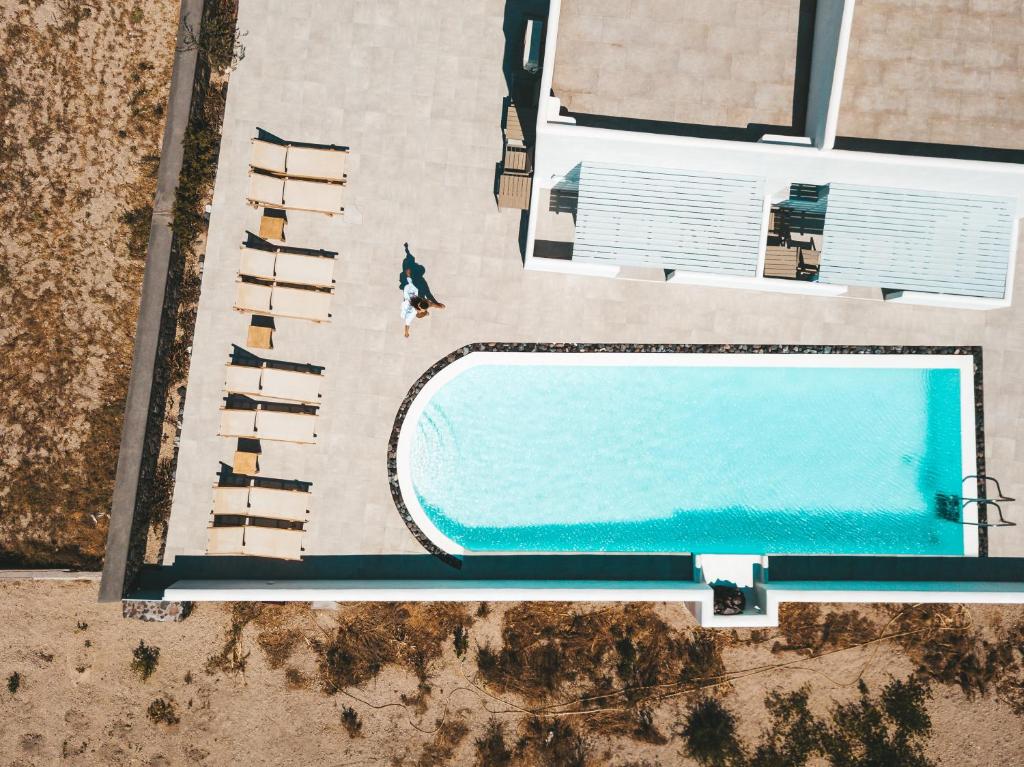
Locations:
{"points": [[13, 683], [461, 640], [144, 659], [162, 711], [866, 732], [352, 721], [491, 749], [710, 733]]}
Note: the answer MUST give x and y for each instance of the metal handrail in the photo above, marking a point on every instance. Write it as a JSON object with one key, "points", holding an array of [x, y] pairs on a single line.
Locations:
{"points": [[986, 479], [1003, 522]]}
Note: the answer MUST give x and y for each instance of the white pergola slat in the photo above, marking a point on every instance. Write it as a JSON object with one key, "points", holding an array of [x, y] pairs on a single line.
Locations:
{"points": [[668, 219], [907, 239]]}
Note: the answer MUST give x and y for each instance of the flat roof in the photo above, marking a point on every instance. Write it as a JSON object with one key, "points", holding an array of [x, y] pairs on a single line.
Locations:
{"points": [[702, 62], [916, 72]]}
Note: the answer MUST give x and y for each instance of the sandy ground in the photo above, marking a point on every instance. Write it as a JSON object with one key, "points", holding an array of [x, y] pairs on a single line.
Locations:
{"points": [[80, 703], [83, 89]]}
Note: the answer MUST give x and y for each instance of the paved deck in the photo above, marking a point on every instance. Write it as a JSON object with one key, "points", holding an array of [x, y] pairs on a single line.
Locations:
{"points": [[416, 91], [944, 72], [705, 62]]}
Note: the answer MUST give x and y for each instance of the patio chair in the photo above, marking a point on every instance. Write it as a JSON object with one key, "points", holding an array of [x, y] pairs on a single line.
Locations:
{"points": [[316, 163], [294, 268], [285, 193], [282, 426], [263, 381], [251, 540], [282, 301], [265, 502]]}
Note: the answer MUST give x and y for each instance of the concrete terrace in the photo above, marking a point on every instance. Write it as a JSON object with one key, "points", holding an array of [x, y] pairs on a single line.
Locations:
{"points": [[415, 89], [938, 71], [702, 62]]}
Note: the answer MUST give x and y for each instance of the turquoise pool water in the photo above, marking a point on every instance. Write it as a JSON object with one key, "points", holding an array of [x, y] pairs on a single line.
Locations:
{"points": [[762, 460]]}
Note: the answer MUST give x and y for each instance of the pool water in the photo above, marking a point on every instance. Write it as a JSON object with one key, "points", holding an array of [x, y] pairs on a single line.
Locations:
{"points": [[674, 458]]}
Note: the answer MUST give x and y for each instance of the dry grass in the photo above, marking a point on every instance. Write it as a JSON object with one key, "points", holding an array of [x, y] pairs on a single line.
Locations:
{"points": [[83, 90]]}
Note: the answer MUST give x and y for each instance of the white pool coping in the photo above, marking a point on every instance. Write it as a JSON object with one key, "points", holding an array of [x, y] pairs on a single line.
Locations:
{"points": [[962, 362]]}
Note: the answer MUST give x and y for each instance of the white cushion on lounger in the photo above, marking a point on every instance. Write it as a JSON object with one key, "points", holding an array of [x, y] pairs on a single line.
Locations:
{"points": [[286, 427], [304, 304], [242, 379], [231, 500], [328, 164], [257, 263], [225, 540], [273, 542], [268, 190], [313, 195], [268, 502], [304, 270], [268, 156], [252, 297], [290, 385], [237, 423]]}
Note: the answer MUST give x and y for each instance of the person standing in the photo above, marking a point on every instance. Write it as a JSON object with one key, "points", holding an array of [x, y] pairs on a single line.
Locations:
{"points": [[409, 312]]}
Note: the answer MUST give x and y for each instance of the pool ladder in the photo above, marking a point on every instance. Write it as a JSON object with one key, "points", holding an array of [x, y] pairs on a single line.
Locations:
{"points": [[1002, 497]]}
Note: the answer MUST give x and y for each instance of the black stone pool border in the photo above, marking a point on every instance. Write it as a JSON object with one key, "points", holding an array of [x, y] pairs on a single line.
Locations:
{"points": [[594, 348]]}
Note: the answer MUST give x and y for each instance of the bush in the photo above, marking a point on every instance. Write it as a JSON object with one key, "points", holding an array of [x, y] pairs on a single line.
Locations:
{"points": [[491, 749], [461, 640], [13, 683], [162, 711], [144, 659], [864, 733], [710, 733], [352, 721]]}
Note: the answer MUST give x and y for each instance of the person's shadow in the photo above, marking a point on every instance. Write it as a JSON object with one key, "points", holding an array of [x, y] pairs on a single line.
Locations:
{"points": [[416, 271]]}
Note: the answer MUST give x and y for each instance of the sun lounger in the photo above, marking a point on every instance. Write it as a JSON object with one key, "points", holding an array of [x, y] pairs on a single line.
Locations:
{"points": [[288, 267], [277, 425], [321, 164], [263, 381], [275, 542], [281, 301], [266, 502], [295, 194]]}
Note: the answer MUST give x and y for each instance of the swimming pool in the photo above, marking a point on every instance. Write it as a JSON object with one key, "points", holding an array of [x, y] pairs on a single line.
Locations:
{"points": [[702, 453]]}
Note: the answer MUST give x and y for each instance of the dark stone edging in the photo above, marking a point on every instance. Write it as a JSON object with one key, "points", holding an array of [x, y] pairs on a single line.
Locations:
{"points": [[144, 405], [590, 348]]}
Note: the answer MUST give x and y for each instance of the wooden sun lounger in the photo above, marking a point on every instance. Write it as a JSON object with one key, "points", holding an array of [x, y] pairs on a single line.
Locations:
{"points": [[295, 194], [276, 425], [320, 164], [270, 503], [287, 267], [278, 543], [281, 301], [264, 381]]}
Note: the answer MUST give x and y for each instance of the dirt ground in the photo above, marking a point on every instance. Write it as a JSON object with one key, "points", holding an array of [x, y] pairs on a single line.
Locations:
{"points": [[79, 702], [83, 91]]}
